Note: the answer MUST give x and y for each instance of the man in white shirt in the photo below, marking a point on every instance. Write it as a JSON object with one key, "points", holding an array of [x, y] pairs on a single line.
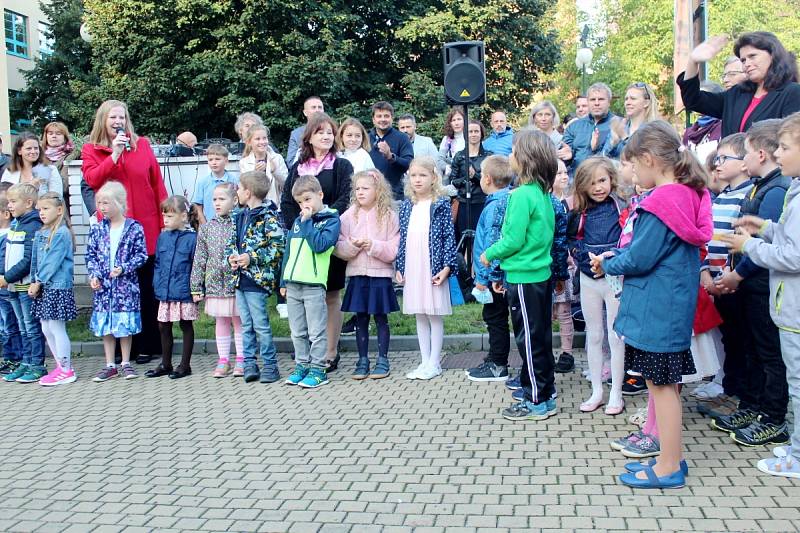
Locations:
{"points": [[423, 146]]}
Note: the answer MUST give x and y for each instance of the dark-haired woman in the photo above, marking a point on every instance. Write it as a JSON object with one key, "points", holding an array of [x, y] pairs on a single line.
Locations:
{"points": [[770, 90], [317, 157]]}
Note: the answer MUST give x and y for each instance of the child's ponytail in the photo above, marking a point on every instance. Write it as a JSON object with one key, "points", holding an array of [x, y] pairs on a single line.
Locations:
{"points": [[660, 140]]}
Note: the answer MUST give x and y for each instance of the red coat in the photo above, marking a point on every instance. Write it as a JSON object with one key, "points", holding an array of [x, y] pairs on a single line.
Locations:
{"points": [[139, 173]]}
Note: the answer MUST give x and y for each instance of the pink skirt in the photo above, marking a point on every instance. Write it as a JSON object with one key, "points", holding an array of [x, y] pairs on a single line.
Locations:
{"points": [[176, 311], [221, 307]]}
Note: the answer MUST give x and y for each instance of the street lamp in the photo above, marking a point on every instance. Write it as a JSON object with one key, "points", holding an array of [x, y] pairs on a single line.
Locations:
{"points": [[85, 34], [583, 58]]}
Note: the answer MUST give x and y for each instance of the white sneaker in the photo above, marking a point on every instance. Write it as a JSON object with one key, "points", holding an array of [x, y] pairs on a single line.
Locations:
{"points": [[414, 374], [782, 451], [429, 372], [283, 310], [709, 391]]}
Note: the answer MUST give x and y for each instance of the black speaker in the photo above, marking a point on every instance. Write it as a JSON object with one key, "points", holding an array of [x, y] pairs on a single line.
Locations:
{"points": [[464, 73]]}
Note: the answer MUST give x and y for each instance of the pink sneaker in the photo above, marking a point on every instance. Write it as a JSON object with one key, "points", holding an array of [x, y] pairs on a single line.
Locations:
{"points": [[58, 376]]}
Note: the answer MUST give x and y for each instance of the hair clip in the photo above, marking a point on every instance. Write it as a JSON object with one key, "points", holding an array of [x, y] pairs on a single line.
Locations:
{"points": [[681, 149]]}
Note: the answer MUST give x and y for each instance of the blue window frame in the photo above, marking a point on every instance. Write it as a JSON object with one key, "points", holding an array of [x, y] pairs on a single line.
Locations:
{"points": [[16, 27]]}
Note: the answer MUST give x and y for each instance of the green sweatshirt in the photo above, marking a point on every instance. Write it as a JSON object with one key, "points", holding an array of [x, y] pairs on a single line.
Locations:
{"points": [[526, 237]]}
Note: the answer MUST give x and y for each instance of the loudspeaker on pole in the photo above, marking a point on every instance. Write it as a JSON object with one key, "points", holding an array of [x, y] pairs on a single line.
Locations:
{"points": [[464, 73]]}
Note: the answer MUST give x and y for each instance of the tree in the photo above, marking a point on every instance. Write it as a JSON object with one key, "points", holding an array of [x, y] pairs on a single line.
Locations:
{"points": [[194, 64], [54, 86]]}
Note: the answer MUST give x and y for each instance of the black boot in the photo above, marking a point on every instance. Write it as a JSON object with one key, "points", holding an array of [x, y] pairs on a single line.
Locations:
{"points": [[565, 364]]}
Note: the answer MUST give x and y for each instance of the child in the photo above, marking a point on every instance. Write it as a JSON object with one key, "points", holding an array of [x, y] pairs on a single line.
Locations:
{"points": [[11, 338], [565, 297], [730, 172], [425, 260], [115, 251], [761, 415], [368, 241], [174, 258], [203, 192], [594, 227], [353, 144], [260, 157], [254, 252], [212, 280], [51, 285], [661, 268], [777, 250], [16, 277], [309, 246], [524, 251], [496, 176]]}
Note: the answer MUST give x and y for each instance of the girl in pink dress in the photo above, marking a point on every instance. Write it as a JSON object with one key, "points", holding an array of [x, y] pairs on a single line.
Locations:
{"points": [[425, 260]]}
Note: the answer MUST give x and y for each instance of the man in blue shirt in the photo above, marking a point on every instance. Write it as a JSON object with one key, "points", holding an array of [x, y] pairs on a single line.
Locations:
{"points": [[501, 139], [204, 190], [391, 152], [586, 136]]}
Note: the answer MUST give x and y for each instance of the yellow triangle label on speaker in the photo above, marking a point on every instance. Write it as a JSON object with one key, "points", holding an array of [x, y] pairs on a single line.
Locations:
{"points": [[465, 94]]}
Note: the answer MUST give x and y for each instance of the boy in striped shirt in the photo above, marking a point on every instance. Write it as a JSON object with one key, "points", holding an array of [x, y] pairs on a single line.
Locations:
{"points": [[726, 209]]}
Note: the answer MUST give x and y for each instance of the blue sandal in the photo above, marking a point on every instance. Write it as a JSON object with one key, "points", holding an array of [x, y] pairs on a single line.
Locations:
{"points": [[637, 466], [675, 480]]}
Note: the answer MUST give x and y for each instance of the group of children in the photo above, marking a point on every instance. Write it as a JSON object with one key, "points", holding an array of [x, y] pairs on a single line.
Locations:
{"points": [[637, 263]]}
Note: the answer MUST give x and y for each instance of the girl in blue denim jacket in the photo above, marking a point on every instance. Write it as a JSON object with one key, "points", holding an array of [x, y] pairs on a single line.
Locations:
{"points": [[51, 285], [173, 270]]}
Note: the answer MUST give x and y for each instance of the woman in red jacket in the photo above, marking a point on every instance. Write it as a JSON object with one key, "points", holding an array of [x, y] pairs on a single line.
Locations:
{"points": [[115, 153]]}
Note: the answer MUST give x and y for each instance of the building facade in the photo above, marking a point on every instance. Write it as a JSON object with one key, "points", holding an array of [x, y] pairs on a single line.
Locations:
{"points": [[25, 31]]}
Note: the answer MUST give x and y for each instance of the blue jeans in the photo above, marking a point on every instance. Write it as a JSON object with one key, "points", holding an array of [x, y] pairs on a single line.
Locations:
{"points": [[9, 328], [31, 330], [256, 330]]}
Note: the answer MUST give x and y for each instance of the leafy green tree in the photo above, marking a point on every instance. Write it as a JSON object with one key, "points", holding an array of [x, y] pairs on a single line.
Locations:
{"points": [[194, 64]]}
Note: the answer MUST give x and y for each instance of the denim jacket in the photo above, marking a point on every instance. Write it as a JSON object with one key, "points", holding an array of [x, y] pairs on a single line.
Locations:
{"points": [[53, 265], [174, 257], [441, 237]]}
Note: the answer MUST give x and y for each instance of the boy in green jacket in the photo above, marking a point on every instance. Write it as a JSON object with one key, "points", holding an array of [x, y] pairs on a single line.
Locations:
{"points": [[524, 254], [309, 245]]}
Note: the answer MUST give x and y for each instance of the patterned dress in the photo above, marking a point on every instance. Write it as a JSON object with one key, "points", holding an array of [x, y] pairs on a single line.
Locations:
{"points": [[212, 275]]}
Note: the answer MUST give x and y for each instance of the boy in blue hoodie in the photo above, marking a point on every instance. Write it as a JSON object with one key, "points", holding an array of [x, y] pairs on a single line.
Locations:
{"points": [[309, 245], [496, 175], [15, 274]]}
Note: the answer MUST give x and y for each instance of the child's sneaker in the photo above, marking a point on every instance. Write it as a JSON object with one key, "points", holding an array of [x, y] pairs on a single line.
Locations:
{"points": [[34, 374], [429, 372], [59, 376], [514, 383], [297, 376], [518, 395], [565, 364], [382, 369], [316, 377], [270, 374], [634, 385], [639, 418], [7, 367], [761, 432], [647, 446], [128, 372], [786, 466], [238, 369], [21, 369], [362, 369], [739, 419], [528, 411], [414, 374], [488, 371], [105, 374], [222, 370], [621, 444]]}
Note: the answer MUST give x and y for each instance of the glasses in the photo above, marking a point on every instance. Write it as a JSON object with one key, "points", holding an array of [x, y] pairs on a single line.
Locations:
{"points": [[722, 159], [732, 73], [643, 86]]}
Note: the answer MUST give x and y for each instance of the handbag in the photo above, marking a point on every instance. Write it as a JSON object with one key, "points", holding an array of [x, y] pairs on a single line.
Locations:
{"points": [[456, 296]]}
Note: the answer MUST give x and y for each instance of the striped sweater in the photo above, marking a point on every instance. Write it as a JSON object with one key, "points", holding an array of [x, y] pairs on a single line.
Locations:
{"points": [[726, 209]]}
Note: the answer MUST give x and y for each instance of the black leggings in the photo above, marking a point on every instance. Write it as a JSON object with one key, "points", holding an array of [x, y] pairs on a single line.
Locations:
{"points": [[187, 328], [362, 334]]}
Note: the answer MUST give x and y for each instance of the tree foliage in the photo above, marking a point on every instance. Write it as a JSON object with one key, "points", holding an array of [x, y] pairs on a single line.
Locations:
{"points": [[638, 43], [195, 64]]}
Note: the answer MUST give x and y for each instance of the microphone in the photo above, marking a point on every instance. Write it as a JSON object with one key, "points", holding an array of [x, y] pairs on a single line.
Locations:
{"points": [[127, 143]]}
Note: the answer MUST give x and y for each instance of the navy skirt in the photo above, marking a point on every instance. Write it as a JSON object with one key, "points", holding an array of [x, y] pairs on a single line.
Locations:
{"points": [[365, 294]]}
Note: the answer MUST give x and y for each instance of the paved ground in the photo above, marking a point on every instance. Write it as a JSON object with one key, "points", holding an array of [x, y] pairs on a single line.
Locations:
{"points": [[396, 456]]}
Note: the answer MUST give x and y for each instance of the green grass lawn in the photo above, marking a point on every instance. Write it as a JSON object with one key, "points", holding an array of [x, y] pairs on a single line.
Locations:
{"points": [[465, 319]]}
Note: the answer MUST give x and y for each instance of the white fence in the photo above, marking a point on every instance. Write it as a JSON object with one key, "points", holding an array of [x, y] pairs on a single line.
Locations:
{"points": [[180, 176]]}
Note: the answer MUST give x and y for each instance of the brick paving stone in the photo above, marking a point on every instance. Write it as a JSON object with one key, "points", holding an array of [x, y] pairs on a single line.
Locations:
{"points": [[431, 456]]}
